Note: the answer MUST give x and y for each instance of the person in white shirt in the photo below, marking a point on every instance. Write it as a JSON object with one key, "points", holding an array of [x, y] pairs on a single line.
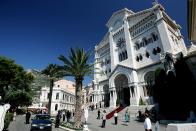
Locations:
{"points": [[147, 123], [86, 114], [116, 117], [104, 119]]}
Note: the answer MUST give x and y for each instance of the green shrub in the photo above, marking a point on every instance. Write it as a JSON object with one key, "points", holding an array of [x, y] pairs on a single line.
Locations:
{"points": [[141, 102], [8, 119], [70, 126]]}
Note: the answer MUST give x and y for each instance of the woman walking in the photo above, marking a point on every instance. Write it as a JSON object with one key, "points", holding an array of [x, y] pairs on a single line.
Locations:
{"points": [[126, 117]]}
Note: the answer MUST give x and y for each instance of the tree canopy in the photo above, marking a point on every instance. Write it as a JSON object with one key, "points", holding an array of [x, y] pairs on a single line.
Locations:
{"points": [[14, 83], [175, 90]]}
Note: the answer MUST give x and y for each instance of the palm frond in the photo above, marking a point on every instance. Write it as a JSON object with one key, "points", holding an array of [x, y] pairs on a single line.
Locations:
{"points": [[76, 64]]}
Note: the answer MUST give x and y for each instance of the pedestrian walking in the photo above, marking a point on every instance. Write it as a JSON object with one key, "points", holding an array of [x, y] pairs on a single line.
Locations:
{"points": [[103, 119], [58, 118], [86, 114], [63, 116], [147, 123], [98, 114], [28, 115], [126, 117], [68, 115], [116, 118]]}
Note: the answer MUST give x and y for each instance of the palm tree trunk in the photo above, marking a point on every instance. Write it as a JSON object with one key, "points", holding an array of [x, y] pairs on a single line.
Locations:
{"points": [[50, 96], [78, 104]]}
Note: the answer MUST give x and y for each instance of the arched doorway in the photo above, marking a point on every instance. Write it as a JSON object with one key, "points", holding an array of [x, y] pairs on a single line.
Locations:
{"points": [[122, 90], [106, 96]]}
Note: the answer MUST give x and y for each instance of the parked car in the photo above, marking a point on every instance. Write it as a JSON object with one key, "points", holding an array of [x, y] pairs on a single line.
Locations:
{"points": [[41, 122]]}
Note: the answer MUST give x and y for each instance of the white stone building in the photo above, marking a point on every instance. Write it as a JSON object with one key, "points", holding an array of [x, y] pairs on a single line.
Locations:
{"points": [[136, 44], [87, 91], [63, 96]]}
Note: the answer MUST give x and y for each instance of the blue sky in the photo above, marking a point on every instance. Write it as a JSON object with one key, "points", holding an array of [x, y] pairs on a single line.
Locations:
{"points": [[35, 32]]}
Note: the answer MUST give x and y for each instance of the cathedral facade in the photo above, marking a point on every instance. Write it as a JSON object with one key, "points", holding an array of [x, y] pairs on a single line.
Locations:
{"points": [[136, 44]]}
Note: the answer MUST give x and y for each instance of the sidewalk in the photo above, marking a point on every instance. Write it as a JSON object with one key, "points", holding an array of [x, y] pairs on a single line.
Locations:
{"points": [[95, 125]]}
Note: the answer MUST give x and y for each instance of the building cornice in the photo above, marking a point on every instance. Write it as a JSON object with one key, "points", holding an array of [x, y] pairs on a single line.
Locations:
{"points": [[158, 6]]}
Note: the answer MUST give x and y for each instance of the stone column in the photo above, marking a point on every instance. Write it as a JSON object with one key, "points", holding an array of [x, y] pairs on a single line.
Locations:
{"points": [[112, 99], [113, 53], [129, 45]]}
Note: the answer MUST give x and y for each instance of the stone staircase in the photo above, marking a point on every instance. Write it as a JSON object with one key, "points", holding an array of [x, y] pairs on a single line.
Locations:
{"points": [[118, 110], [133, 110]]}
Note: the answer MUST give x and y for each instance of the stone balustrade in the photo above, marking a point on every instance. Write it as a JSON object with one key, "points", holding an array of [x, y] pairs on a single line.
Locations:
{"points": [[181, 127]]}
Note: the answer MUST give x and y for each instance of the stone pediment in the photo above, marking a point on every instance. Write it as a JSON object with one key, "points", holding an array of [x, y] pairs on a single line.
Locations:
{"points": [[120, 67], [117, 18]]}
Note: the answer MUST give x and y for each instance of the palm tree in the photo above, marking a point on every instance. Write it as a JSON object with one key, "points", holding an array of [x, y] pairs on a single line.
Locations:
{"points": [[53, 72], [76, 65]]}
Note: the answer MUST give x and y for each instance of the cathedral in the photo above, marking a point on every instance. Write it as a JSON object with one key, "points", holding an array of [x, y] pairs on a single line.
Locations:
{"points": [[135, 45]]}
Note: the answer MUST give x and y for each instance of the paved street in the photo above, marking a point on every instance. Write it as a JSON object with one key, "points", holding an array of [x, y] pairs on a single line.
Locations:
{"points": [[19, 125], [94, 124]]}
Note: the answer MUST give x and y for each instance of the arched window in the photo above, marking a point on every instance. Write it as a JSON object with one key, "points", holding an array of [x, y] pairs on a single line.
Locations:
{"points": [[154, 51], [126, 56], [56, 107], [158, 49], [137, 58], [147, 54], [145, 41], [123, 55], [57, 96], [155, 37], [142, 44], [140, 57], [150, 40]]}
